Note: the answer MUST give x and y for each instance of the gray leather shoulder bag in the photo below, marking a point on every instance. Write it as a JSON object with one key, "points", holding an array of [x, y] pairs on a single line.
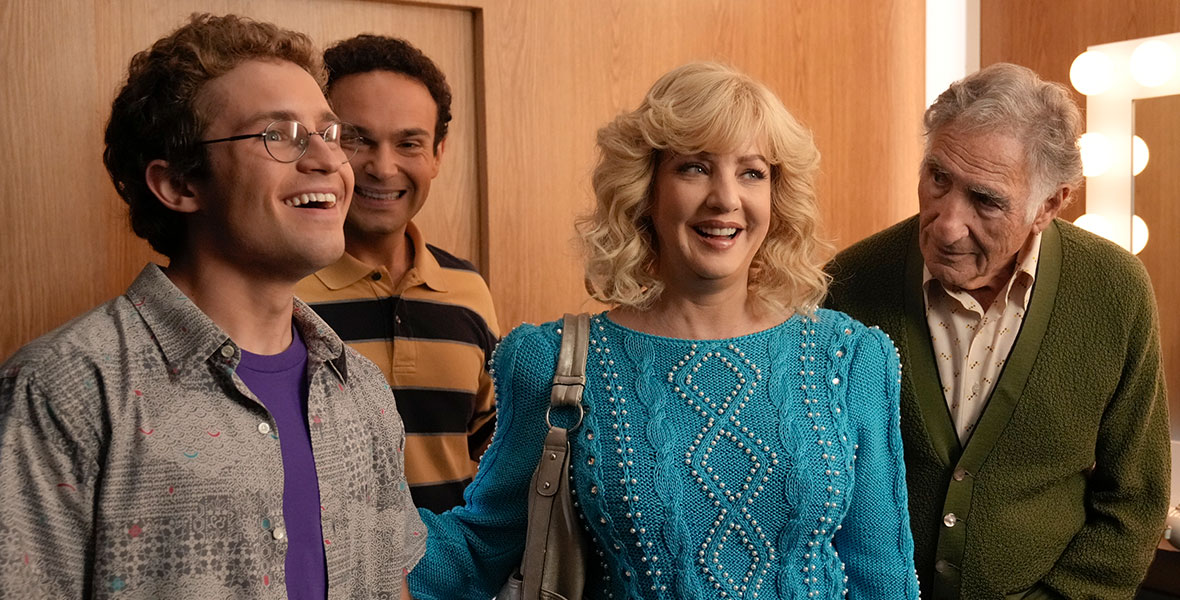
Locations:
{"points": [[555, 551]]}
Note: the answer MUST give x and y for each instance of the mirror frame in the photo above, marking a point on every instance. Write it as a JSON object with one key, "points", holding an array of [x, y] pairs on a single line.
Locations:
{"points": [[1112, 113]]}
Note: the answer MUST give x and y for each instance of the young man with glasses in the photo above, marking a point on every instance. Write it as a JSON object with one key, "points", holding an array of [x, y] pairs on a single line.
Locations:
{"points": [[206, 434], [422, 315]]}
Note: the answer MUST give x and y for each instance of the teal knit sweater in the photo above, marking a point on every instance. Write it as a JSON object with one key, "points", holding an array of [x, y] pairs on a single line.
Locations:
{"points": [[764, 466]]}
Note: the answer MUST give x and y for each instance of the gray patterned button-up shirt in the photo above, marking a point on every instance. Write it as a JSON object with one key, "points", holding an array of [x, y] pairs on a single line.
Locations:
{"points": [[135, 464]]}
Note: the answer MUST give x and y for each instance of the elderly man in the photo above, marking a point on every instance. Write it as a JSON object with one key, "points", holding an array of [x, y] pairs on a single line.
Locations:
{"points": [[206, 435], [1033, 405]]}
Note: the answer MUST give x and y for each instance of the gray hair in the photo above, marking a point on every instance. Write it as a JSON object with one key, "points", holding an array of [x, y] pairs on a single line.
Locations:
{"points": [[1011, 98]]}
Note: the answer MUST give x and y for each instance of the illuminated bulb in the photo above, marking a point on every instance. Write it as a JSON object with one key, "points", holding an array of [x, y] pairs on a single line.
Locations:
{"points": [[1139, 154], [1095, 224], [1153, 63], [1092, 72], [1138, 234], [1100, 225], [1096, 154]]}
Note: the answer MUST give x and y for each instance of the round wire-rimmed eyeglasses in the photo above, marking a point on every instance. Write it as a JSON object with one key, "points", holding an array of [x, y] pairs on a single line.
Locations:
{"points": [[287, 141]]}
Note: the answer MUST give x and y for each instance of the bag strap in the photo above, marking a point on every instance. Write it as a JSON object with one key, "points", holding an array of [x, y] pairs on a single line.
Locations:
{"points": [[569, 380], [569, 377]]}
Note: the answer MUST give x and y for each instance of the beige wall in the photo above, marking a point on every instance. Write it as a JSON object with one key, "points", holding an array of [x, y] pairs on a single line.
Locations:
{"points": [[1046, 36], [535, 81], [853, 71]]}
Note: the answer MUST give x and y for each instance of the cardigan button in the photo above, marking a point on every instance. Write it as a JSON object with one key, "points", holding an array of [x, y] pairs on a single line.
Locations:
{"points": [[942, 566], [959, 474], [950, 519]]}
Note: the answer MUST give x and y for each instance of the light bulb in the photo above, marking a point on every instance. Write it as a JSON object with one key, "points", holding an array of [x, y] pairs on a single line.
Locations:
{"points": [[1096, 154], [1095, 224], [1153, 63], [1139, 155], [1092, 72], [1138, 234]]}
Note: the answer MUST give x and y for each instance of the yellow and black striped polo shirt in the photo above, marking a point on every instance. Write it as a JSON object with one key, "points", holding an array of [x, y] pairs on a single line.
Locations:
{"points": [[432, 335]]}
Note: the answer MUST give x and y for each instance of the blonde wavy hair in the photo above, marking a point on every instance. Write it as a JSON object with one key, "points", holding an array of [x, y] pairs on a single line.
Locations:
{"points": [[704, 107]]}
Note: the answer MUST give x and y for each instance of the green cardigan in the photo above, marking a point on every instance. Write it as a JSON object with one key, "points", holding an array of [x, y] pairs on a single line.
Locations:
{"points": [[1062, 489]]}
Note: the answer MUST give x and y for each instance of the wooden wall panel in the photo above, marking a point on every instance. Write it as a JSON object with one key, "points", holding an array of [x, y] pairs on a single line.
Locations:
{"points": [[1046, 36], [545, 74], [57, 225], [853, 71]]}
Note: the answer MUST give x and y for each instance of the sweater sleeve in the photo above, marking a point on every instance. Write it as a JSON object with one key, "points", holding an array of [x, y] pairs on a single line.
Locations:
{"points": [[472, 549], [1127, 492], [874, 541]]}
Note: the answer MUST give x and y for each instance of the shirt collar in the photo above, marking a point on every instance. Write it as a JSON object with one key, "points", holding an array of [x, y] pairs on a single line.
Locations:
{"points": [[1026, 271], [428, 270], [188, 338], [425, 270], [343, 273]]}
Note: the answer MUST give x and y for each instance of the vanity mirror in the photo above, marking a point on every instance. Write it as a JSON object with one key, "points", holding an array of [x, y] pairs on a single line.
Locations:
{"points": [[1133, 91], [1115, 78], [1155, 198]]}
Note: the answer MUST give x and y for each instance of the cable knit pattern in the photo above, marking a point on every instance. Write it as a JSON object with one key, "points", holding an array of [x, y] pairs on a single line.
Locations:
{"points": [[764, 466]]}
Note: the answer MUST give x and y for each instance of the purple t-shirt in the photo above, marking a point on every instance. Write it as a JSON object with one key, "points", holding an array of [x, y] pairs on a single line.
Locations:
{"points": [[280, 382]]}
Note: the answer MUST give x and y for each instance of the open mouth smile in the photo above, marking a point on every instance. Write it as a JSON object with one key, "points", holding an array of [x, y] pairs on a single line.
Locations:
{"points": [[312, 200], [716, 232], [376, 195]]}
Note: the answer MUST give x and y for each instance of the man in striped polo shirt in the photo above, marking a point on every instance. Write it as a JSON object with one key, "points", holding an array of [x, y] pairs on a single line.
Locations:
{"points": [[423, 316]]}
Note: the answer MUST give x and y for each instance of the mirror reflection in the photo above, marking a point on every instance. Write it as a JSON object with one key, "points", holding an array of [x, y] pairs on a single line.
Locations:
{"points": [[1156, 200]]}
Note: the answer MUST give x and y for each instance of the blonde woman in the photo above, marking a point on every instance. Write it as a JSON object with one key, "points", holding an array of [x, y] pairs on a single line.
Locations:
{"points": [[738, 442]]}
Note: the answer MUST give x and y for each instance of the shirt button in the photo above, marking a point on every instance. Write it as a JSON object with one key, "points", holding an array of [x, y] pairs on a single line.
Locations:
{"points": [[279, 533], [227, 350], [941, 566], [950, 519], [959, 474], [264, 428], [376, 276]]}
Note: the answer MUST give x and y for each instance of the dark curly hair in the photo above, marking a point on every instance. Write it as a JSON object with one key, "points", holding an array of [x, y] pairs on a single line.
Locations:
{"points": [[155, 114], [367, 52]]}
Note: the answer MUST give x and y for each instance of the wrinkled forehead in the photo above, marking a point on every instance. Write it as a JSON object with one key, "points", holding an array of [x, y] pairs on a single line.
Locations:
{"points": [[978, 143], [981, 158]]}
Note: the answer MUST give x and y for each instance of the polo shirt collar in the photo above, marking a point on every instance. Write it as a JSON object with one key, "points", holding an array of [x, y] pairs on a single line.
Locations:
{"points": [[425, 270], [427, 267], [343, 273]]}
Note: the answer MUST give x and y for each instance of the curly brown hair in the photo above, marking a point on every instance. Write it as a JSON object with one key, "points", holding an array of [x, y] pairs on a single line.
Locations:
{"points": [[156, 115], [367, 52]]}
